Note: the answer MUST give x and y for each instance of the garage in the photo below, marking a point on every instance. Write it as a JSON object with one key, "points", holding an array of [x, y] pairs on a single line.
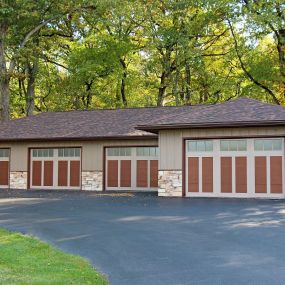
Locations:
{"points": [[245, 168], [4, 167], [131, 168], [55, 168]]}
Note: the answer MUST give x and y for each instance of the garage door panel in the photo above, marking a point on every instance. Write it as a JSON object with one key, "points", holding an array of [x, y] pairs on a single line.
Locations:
{"points": [[74, 173], [112, 172], [226, 174], [63, 173], [241, 174], [37, 173], [142, 173], [154, 173], [193, 174], [126, 173], [4, 173], [48, 173], [207, 174], [276, 174], [260, 174]]}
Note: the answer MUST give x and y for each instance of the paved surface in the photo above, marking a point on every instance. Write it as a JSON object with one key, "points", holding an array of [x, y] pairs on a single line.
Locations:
{"points": [[145, 240]]}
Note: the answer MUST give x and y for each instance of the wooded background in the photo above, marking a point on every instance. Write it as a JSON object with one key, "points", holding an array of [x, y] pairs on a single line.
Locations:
{"points": [[87, 54]]}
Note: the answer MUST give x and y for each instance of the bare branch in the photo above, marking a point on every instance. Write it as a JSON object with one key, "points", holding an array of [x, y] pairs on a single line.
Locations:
{"points": [[55, 63], [37, 29]]}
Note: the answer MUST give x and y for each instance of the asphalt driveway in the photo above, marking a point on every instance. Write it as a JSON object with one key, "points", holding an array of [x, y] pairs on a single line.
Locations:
{"points": [[146, 240]]}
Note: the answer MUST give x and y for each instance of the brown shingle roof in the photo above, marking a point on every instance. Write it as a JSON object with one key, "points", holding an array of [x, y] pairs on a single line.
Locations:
{"points": [[237, 112], [136, 122], [75, 125]]}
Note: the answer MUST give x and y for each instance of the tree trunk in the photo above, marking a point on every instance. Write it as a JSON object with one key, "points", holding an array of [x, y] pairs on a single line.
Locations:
{"points": [[281, 56], [176, 79], [123, 83], [161, 89], [175, 87], [32, 70], [5, 94], [4, 80], [89, 96], [167, 69], [188, 82]]}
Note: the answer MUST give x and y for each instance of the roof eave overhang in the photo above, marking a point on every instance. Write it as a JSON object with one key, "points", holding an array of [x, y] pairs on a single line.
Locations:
{"points": [[156, 128], [77, 139]]}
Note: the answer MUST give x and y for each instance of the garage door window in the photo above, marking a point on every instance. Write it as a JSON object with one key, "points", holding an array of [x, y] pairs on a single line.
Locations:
{"points": [[147, 151], [119, 151], [233, 145], [267, 144], [69, 152], [4, 153], [43, 153], [200, 145]]}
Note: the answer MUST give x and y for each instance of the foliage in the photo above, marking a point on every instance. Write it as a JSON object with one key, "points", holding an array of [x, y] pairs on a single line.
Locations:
{"points": [[88, 54]]}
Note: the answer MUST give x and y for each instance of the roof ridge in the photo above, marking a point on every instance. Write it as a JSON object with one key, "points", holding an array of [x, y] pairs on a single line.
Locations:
{"points": [[143, 108], [151, 107]]}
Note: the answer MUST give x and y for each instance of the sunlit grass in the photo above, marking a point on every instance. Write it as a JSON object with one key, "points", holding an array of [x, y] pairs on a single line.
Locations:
{"points": [[25, 260]]}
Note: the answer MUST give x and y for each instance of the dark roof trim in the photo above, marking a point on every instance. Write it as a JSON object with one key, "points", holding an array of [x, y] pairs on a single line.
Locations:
{"points": [[148, 137], [156, 128]]}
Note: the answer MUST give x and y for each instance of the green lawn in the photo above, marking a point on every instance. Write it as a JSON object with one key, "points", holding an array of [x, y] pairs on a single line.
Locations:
{"points": [[25, 260]]}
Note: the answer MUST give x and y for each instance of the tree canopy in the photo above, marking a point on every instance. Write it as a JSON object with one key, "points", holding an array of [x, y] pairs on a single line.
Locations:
{"points": [[88, 54]]}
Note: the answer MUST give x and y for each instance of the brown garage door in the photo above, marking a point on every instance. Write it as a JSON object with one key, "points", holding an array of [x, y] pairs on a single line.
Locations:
{"points": [[131, 168], [238, 168], [4, 167], [4, 173], [54, 168]]}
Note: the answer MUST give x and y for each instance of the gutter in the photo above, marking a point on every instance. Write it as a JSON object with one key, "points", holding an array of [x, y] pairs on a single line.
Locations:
{"points": [[51, 139], [155, 128]]}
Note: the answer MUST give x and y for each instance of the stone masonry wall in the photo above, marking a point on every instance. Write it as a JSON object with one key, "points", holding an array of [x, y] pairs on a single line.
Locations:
{"points": [[92, 180], [18, 179], [170, 183]]}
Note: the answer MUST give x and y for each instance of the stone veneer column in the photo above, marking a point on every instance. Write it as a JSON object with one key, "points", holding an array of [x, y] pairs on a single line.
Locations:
{"points": [[170, 183], [92, 180], [18, 180]]}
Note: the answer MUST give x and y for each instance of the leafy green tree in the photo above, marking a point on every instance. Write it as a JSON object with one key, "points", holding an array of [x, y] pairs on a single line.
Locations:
{"points": [[21, 23]]}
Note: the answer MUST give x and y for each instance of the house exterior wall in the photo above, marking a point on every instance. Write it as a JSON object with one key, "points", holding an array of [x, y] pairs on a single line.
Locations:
{"points": [[171, 151], [92, 159]]}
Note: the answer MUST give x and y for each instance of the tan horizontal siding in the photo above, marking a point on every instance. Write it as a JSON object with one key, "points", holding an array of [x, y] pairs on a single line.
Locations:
{"points": [[170, 141], [92, 152]]}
